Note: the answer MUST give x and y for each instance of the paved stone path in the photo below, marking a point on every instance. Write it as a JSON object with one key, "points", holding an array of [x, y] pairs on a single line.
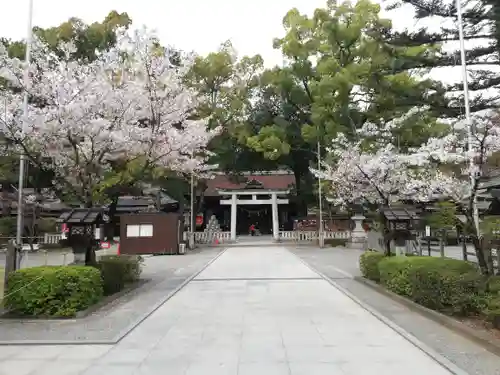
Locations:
{"points": [[341, 265], [108, 324], [254, 311]]}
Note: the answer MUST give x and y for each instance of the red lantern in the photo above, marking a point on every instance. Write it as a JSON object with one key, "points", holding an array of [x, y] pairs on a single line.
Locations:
{"points": [[199, 220]]}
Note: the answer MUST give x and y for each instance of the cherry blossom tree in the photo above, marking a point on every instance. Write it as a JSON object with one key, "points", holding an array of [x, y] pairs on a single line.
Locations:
{"points": [[371, 168], [460, 184], [368, 168], [129, 104]]}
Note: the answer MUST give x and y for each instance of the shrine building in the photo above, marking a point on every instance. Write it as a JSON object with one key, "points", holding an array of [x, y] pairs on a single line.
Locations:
{"points": [[264, 199]]}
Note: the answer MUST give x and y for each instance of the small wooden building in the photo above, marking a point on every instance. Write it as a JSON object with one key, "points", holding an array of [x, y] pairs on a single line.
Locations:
{"points": [[150, 233]]}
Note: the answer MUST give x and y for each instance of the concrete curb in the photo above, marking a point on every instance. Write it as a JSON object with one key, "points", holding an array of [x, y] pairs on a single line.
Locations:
{"points": [[444, 362], [125, 331], [478, 337]]}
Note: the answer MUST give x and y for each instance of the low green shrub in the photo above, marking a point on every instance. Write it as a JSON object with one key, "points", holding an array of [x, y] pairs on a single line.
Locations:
{"points": [[394, 274], [492, 311], [118, 270], [333, 242], [493, 285], [368, 264], [443, 284], [57, 291]]}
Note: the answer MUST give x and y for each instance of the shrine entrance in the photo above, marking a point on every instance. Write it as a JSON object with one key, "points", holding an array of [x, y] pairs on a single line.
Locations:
{"points": [[260, 216], [256, 204]]}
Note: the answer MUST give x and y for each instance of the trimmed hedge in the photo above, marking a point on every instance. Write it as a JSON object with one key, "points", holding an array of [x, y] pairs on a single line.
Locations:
{"points": [[56, 291], [333, 242], [492, 305], [368, 264], [492, 311], [494, 285], [394, 274], [118, 270], [442, 284]]}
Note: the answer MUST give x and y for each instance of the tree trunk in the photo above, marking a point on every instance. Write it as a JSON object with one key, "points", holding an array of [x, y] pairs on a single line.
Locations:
{"points": [[386, 234], [481, 258], [301, 202], [6, 202], [90, 255]]}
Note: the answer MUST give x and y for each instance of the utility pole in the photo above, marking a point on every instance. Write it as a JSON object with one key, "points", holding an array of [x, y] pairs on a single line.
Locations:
{"points": [[321, 237], [27, 85], [191, 216], [468, 117]]}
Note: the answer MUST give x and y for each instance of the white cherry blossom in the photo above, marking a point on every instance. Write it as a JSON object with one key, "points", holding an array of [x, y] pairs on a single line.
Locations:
{"points": [[379, 173], [130, 103]]}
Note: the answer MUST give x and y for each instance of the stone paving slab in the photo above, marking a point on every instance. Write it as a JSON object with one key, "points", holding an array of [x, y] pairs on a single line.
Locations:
{"points": [[266, 264], [166, 273], [467, 355], [260, 325]]}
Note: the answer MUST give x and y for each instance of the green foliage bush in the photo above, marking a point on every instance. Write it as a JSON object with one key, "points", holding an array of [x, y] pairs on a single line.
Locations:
{"points": [[57, 291], [492, 311], [368, 264], [118, 270], [46, 225], [333, 242], [394, 274], [443, 284], [7, 227], [493, 285]]}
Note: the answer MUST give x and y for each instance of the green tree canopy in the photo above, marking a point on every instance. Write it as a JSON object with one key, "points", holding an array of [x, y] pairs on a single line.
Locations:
{"points": [[89, 39], [481, 22], [341, 71]]}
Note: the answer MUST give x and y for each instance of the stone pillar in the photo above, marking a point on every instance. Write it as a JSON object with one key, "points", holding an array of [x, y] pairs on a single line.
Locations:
{"points": [[358, 234], [234, 205], [276, 224]]}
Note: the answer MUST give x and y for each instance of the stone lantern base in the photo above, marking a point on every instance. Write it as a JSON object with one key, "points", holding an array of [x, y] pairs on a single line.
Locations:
{"points": [[358, 234]]}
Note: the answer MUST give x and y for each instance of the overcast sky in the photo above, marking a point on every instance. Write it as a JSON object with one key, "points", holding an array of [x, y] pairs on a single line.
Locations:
{"points": [[198, 25]]}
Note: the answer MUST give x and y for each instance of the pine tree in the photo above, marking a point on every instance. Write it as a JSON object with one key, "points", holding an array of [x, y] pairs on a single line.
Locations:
{"points": [[481, 21]]}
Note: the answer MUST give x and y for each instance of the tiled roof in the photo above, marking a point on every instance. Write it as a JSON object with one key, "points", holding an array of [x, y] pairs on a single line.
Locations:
{"points": [[82, 216], [267, 181]]}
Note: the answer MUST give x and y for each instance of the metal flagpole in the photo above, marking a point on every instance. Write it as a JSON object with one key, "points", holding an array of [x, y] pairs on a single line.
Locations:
{"points": [[320, 228], [468, 117], [20, 205]]}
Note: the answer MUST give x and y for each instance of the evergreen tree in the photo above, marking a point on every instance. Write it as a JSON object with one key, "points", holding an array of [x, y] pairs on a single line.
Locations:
{"points": [[481, 22]]}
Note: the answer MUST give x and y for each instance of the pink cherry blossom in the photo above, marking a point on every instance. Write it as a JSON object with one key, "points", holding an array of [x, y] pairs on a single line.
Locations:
{"points": [[371, 168], [130, 103]]}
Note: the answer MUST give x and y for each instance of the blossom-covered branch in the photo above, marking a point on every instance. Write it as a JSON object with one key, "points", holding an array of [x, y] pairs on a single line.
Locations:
{"points": [[129, 103], [371, 168]]}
